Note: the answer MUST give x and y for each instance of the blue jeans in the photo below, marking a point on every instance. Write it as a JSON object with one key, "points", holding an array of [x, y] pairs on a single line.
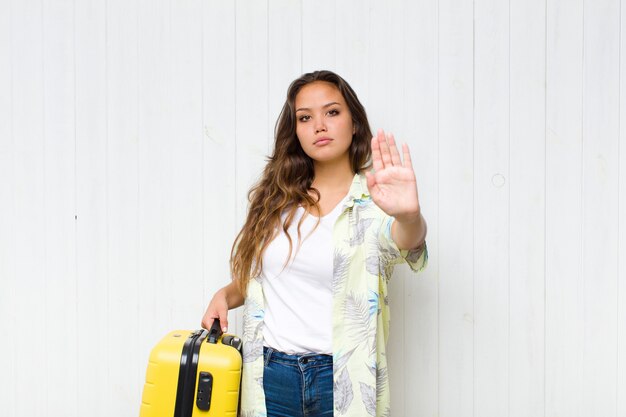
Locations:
{"points": [[297, 385]]}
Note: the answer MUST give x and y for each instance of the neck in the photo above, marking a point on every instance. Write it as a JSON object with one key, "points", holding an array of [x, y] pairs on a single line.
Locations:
{"points": [[333, 175]]}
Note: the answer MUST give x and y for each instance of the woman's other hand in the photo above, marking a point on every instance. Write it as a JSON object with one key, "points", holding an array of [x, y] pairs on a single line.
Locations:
{"points": [[217, 309], [223, 300]]}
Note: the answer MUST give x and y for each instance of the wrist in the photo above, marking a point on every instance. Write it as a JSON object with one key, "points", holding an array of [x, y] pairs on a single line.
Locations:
{"points": [[410, 218], [223, 294]]}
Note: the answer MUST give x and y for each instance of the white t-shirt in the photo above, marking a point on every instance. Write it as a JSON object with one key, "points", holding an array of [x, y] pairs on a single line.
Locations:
{"points": [[298, 297]]}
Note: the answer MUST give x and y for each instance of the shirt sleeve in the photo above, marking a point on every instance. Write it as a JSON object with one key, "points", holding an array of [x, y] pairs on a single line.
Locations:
{"points": [[417, 259]]}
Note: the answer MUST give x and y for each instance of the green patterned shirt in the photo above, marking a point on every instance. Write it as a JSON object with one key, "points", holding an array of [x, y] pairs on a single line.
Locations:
{"points": [[364, 259]]}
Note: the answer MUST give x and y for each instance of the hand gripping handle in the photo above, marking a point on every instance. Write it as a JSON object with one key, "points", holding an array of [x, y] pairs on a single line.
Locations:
{"points": [[215, 331]]}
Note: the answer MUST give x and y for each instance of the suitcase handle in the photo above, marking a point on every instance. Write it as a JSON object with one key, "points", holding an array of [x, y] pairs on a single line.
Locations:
{"points": [[214, 332]]}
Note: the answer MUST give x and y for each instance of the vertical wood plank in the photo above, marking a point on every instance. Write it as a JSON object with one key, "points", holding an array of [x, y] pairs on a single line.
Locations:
{"points": [[420, 114], [251, 97], [30, 220], [59, 196], [601, 34], [456, 200], [122, 197], [352, 52], [527, 209], [385, 68], [491, 208], [156, 140], [251, 114], [564, 280], [284, 55], [7, 212], [621, 221], [92, 270], [219, 173], [318, 35], [187, 152]]}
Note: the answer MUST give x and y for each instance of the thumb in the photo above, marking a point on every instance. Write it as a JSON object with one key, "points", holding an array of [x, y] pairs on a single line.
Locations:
{"points": [[372, 186]]}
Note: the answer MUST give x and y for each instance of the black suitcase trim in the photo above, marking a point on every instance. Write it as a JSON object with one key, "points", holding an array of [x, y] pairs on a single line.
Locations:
{"points": [[185, 392]]}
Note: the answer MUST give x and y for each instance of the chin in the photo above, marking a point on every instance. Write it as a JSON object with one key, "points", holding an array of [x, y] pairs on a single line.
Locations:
{"points": [[327, 159]]}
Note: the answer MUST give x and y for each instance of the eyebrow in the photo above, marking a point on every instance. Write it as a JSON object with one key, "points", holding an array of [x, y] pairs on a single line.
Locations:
{"points": [[324, 106]]}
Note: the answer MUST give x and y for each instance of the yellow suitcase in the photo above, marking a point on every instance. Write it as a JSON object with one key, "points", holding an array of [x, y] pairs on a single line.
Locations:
{"points": [[193, 374]]}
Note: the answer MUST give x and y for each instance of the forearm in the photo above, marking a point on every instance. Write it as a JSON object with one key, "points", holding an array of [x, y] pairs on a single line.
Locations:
{"points": [[409, 232]]}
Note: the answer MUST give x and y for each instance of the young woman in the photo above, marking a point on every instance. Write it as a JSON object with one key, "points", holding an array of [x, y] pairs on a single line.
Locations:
{"points": [[334, 211]]}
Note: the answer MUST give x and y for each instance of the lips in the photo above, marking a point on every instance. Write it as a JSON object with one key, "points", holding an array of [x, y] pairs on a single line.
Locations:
{"points": [[322, 141]]}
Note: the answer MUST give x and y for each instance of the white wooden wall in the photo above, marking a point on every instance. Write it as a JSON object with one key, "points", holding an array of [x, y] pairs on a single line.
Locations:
{"points": [[131, 130]]}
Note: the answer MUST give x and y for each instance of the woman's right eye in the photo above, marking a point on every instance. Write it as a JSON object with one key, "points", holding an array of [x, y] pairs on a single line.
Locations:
{"points": [[304, 118]]}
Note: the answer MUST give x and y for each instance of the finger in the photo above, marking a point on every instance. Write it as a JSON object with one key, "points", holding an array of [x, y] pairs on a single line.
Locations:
{"points": [[377, 161], [407, 156], [223, 318], [207, 320], [393, 148], [384, 150], [371, 183]]}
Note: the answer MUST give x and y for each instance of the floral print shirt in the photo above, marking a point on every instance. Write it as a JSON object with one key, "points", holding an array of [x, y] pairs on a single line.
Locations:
{"points": [[364, 259]]}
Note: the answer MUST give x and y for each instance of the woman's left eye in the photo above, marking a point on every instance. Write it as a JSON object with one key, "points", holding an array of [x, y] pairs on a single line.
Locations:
{"points": [[333, 112]]}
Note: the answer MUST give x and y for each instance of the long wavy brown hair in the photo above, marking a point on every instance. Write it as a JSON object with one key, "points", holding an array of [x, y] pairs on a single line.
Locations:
{"points": [[285, 183]]}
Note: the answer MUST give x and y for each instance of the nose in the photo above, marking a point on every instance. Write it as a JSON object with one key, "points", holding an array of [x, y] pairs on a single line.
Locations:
{"points": [[320, 127]]}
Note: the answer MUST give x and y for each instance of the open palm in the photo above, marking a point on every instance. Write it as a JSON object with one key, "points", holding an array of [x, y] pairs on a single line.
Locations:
{"points": [[392, 184]]}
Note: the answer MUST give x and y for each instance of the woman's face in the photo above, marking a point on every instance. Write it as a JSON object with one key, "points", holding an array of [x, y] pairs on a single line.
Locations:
{"points": [[323, 122]]}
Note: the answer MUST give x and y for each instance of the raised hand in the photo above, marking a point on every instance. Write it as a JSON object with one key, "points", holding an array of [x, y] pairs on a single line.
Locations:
{"points": [[392, 184]]}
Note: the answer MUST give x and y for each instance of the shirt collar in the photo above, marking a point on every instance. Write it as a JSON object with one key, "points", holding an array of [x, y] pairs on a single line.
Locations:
{"points": [[358, 190]]}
